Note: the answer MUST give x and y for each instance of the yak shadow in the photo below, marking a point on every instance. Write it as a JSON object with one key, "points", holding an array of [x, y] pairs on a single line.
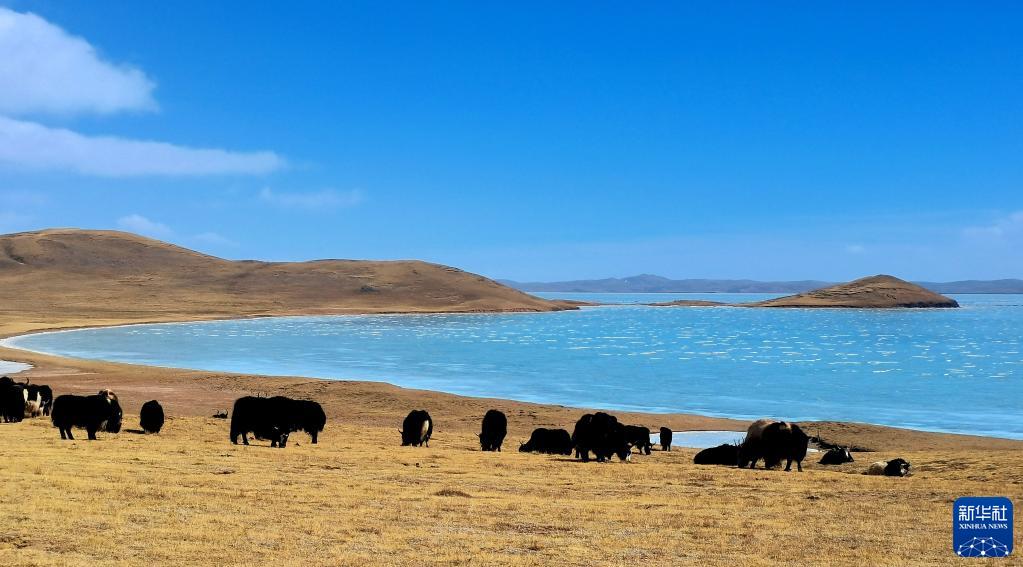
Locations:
{"points": [[136, 431]]}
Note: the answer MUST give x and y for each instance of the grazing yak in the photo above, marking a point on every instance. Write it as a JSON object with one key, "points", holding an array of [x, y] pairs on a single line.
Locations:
{"points": [[837, 456], [94, 413], [13, 398], [639, 437], [548, 441], [275, 419], [602, 434], [417, 429], [43, 396], [151, 417], [894, 467], [665, 439], [725, 454], [773, 441], [493, 431]]}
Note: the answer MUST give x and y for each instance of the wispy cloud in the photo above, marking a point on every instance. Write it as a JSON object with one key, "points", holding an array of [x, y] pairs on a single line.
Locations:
{"points": [[141, 225], [999, 229], [43, 69], [855, 248], [313, 201], [213, 239], [30, 145]]}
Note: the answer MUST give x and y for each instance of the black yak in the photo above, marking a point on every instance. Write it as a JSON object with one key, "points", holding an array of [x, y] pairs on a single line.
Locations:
{"points": [[12, 401], [639, 437], [151, 417], [894, 467], [275, 418], [665, 439], [94, 413], [773, 441], [837, 456], [725, 454], [548, 441], [493, 430], [602, 434], [308, 416], [417, 429]]}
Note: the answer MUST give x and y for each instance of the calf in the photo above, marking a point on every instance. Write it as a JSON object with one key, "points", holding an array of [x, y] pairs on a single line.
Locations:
{"points": [[151, 417], [725, 454], [665, 439], [493, 430], [93, 413], [639, 437], [837, 456], [417, 429], [894, 467]]}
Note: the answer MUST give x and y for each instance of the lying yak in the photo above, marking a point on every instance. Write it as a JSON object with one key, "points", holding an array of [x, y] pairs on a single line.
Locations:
{"points": [[151, 417], [725, 454], [773, 441], [548, 441], [493, 431], [417, 429], [603, 435], [894, 467], [93, 413], [13, 398], [275, 419], [837, 456], [665, 439], [639, 437]]}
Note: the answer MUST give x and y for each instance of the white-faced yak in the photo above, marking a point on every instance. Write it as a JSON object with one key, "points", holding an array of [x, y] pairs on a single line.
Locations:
{"points": [[665, 439], [151, 417], [773, 441], [602, 434], [493, 430], [548, 442], [725, 454], [98, 412], [894, 467], [837, 456], [417, 429]]}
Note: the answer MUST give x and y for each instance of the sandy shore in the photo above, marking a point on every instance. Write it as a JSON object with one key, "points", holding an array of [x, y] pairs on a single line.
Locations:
{"points": [[200, 393]]}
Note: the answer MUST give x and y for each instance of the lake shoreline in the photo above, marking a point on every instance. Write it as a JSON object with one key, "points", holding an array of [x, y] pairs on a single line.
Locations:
{"points": [[73, 372]]}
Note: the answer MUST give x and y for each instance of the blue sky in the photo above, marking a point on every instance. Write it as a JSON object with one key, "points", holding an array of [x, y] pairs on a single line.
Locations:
{"points": [[528, 141]]}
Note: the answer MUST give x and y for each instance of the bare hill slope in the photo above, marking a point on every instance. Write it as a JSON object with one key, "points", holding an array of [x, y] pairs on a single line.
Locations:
{"points": [[70, 273], [872, 292]]}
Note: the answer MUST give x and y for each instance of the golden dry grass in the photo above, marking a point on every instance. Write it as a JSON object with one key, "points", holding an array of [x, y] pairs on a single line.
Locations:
{"points": [[189, 497]]}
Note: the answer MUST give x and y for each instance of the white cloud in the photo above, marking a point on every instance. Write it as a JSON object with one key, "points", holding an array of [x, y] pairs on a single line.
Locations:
{"points": [[997, 230], [213, 239], [316, 200], [34, 146], [141, 225], [43, 69]]}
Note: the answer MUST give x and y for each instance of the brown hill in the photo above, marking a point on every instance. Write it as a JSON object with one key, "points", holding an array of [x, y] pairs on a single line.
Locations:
{"points": [[95, 275], [874, 292]]}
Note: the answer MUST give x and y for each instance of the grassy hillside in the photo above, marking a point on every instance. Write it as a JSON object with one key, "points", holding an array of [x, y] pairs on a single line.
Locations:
{"points": [[108, 274]]}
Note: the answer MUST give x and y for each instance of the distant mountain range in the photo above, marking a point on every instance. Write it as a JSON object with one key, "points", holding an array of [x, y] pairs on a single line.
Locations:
{"points": [[648, 283]]}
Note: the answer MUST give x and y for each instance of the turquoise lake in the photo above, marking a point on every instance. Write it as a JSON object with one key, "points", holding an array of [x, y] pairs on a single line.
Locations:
{"points": [[958, 370]]}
